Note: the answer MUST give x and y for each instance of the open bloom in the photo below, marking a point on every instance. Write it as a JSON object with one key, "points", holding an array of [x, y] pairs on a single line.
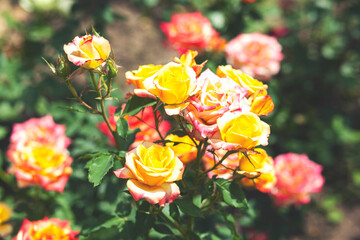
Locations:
{"points": [[5, 214], [297, 177], [88, 51], [192, 31], [240, 131], [52, 228], [152, 170], [38, 154], [216, 97], [184, 148], [172, 83], [256, 54], [144, 120]]}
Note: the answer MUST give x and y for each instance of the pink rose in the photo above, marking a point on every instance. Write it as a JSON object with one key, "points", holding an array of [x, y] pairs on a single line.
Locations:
{"points": [[144, 120], [47, 228], [216, 97], [88, 51], [38, 154], [297, 177], [256, 54], [192, 31]]}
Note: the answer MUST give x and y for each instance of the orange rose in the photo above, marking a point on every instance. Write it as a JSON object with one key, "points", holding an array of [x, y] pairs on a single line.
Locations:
{"points": [[192, 31]]}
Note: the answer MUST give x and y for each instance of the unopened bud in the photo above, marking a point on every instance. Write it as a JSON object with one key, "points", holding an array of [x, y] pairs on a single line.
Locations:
{"points": [[111, 69], [63, 68]]}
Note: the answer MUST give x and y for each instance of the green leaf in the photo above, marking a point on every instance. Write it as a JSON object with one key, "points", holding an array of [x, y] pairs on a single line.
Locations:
{"points": [[115, 221], [144, 222], [162, 228], [135, 104], [98, 168], [127, 136], [174, 211], [123, 209], [188, 207], [232, 193]]}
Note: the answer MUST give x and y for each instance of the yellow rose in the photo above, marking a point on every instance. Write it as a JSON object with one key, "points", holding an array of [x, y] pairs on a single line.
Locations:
{"points": [[266, 181], [186, 150], [137, 77], [173, 85], [88, 51], [5, 214], [254, 164], [241, 78], [242, 131], [152, 170], [261, 103]]}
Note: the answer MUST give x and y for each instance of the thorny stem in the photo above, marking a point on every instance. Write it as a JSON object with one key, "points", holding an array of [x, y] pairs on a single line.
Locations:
{"points": [[103, 112], [220, 162], [77, 97]]}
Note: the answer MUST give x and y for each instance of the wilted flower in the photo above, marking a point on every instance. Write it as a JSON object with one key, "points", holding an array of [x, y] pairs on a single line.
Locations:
{"points": [[5, 214], [144, 120], [256, 54], [88, 51], [152, 170], [192, 31], [52, 228], [297, 177], [38, 154], [183, 147]]}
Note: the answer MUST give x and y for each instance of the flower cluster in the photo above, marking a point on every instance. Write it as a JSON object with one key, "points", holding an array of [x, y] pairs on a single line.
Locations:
{"points": [[223, 108], [38, 153], [192, 31], [47, 228], [256, 54]]}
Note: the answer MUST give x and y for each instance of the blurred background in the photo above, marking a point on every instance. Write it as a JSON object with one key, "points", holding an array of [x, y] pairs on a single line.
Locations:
{"points": [[316, 93]]}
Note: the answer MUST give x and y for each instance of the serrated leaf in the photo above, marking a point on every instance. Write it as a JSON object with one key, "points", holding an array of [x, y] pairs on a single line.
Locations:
{"points": [[188, 207], [135, 104], [232, 193], [99, 167]]}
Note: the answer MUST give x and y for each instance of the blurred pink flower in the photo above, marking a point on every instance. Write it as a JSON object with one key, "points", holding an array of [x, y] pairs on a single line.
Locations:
{"points": [[192, 31], [297, 177], [38, 154], [256, 54]]}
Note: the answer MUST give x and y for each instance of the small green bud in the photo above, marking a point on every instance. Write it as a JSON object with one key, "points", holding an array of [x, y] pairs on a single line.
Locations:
{"points": [[63, 68], [111, 69]]}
